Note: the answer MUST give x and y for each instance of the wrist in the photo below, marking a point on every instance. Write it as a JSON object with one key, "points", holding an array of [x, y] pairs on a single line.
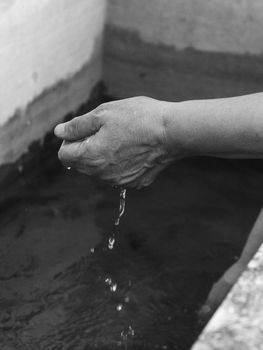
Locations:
{"points": [[181, 129]]}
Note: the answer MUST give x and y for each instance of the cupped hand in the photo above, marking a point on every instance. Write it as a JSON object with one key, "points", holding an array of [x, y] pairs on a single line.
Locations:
{"points": [[122, 142]]}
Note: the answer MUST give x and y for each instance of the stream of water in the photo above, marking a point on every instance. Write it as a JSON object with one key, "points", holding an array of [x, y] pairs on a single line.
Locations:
{"points": [[128, 332]]}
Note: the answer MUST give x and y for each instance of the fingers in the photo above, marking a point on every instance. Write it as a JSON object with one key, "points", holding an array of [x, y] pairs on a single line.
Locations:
{"points": [[69, 152], [82, 155], [215, 298], [79, 127], [219, 291]]}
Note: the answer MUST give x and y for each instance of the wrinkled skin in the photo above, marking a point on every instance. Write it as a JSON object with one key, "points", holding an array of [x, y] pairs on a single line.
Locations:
{"points": [[122, 142]]}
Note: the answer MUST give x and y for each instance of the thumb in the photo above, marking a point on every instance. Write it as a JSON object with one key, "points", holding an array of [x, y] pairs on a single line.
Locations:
{"points": [[79, 127]]}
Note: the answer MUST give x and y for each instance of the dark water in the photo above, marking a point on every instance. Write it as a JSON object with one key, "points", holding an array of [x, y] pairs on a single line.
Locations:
{"points": [[174, 240]]}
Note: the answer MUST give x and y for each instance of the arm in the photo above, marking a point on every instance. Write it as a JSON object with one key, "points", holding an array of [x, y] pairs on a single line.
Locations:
{"points": [[229, 128], [128, 142], [229, 278]]}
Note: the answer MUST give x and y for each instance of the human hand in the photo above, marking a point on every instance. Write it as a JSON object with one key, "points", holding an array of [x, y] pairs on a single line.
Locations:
{"points": [[219, 291], [122, 142]]}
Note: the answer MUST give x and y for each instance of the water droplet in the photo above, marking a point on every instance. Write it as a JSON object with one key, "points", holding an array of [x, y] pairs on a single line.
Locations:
{"points": [[20, 168], [126, 336], [111, 242], [108, 281], [119, 307], [68, 167], [113, 287]]}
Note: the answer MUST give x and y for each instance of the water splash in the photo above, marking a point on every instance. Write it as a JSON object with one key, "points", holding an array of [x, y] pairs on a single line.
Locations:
{"points": [[113, 287], [111, 284], [108, 281], [127, 336], [119, 307], [111, 242]]}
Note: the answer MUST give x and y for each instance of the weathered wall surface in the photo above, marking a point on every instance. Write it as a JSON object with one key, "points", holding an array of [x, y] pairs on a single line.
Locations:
{"points": [[178, 49], [50, 56], [50, 59], [217, 25]]}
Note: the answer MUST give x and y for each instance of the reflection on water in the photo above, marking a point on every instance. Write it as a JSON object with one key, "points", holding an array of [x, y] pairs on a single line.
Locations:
{"points": [[63, 287]]}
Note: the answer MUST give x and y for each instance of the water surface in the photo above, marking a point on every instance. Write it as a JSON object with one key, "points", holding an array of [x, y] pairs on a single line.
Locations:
{"points": [[61, 287]]}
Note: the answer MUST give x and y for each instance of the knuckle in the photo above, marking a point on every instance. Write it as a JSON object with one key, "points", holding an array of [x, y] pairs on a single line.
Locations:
{"points": [[106, 107], [102, 108], [72, 127], [95, 121], [142, 99], [97, 118]]}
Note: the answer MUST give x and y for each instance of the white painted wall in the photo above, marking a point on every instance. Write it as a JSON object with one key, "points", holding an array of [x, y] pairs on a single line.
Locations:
{"points": [[233, 26], [41, 43]]}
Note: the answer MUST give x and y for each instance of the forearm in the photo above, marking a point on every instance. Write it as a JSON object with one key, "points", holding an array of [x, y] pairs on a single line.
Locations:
{"points": [[254, 241], [229, 127]]}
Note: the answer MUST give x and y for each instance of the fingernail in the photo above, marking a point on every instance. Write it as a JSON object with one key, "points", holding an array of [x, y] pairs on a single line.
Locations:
{"points": [[59, 130]]}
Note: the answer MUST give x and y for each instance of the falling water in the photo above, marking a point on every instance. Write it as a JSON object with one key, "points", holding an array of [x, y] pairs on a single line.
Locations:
{"points": [[128, 332], [126, 335], [121, 206], [117, 221]]}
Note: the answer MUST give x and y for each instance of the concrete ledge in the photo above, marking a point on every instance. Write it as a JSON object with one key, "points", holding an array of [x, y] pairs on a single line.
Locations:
{"points": [[238, 323]]}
